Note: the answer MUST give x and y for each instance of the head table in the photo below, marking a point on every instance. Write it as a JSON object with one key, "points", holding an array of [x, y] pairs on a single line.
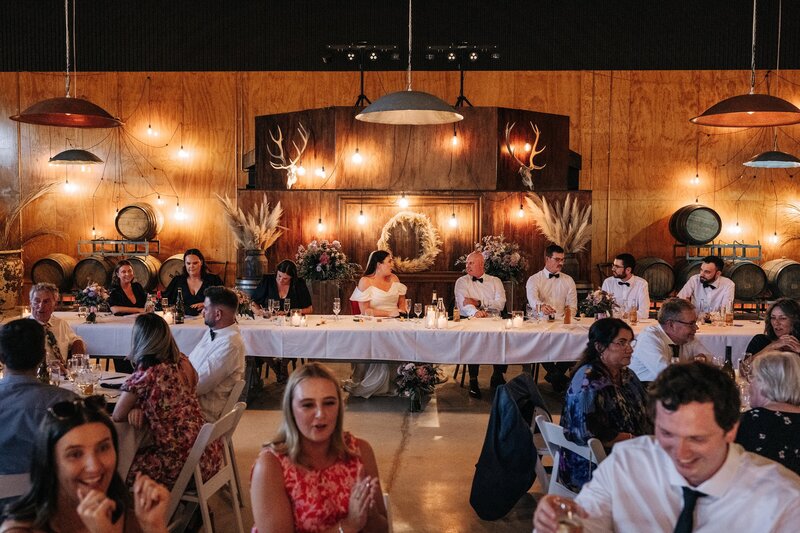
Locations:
{"points": [[468, 341]]}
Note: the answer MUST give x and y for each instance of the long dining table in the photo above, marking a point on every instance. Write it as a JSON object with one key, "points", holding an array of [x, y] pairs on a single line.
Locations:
{"points": [[478, 341]]}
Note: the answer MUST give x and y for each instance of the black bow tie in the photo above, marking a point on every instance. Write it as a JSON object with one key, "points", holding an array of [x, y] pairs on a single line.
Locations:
{"points": [[626, 283], [707, 285], [479, 280], [212, 333], [553, 276]]}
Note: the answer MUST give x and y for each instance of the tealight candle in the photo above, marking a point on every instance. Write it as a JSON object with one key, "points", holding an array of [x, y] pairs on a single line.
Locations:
{"points": [[517, 321], [296, 319], [509, 324]]}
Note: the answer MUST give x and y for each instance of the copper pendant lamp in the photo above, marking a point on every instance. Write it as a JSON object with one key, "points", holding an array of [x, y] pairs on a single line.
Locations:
{"points": [[413, 108], [67, 111], [752, 109]]}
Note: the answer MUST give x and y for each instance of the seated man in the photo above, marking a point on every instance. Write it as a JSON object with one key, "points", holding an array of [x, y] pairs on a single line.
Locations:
{"points": [[708, 290], [61, 341], [23, 398], [628, 290], [476, 293], [690, 476], [219, 356], [673, 336]]}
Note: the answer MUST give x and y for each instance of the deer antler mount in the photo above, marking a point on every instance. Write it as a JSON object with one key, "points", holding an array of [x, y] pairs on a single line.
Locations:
{"points": [[526, 170], [279, 158]]}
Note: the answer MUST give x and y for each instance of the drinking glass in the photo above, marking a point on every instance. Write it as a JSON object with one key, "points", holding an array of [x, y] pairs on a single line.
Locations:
{"points": [[337, 307], [276, 307], [55, 373], [418, 310], [164, 304], [529, 312], [84, 382], [287, 305], [82, 311], [409, 307]]}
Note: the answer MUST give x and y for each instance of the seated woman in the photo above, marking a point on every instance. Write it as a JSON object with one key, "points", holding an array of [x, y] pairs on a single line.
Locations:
{"points": [[379, 293], [772, 427], [314, 477], [162, 393], [283, 285], [605, 400], [781, 329], [192, 282], [127, 296], [75, 486]]}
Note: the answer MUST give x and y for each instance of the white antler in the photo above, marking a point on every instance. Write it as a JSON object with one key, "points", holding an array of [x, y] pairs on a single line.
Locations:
{"points": [[526, 171], [280, 158]]}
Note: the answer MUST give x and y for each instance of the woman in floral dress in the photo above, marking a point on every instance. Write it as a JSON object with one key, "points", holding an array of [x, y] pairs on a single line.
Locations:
{"points": [[162, 394]]}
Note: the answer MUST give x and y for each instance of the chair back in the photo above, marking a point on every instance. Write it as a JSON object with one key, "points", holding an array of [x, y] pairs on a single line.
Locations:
{"points": [[233, 397], [388, 504], [553, 435], [542, 450], [14, 485], [355, 308]]}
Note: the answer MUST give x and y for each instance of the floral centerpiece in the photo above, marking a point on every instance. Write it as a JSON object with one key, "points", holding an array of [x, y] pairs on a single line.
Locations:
{"points": [[92, 297], [323, 260], [502, 258], [243, 308], [598, 302], [415, 379]]}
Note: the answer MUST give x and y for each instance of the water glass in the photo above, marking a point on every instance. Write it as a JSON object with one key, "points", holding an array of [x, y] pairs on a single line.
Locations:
{"points": [[55, 370], [287, 305], [418, 310], [164, 304], [337, 307]]}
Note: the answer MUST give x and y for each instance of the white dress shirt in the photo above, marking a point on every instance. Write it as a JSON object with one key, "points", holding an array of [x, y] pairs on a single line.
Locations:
{"points": [[721, 296], [64, 337], [653, 352], [558, 292], [636, 293], [490, 293], [637, 488], [219, 364]]}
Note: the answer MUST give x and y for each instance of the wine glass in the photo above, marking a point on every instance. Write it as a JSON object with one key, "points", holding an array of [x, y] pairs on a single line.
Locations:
{"points": [[337, 307], [409, 307], [418, 310], [276, 307], [287, 305]]}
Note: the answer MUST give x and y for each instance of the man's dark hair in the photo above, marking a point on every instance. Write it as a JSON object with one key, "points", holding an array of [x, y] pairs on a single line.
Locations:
{"points": [[718, 262], [628, 261], [553, 249], [219, 295], [682, 384], [22, 344]]}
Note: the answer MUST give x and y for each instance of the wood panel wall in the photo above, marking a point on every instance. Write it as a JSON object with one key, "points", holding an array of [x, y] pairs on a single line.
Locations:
{"points": [[631, 128]]}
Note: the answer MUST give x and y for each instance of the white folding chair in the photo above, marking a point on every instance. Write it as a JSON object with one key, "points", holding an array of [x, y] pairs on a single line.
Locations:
{"points": [[542, 450], [553, 435], [388, 504], [202, 491], [233, 397], [14, 485]]}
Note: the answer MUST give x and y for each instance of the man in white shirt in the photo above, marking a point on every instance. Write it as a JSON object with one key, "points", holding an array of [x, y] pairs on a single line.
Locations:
{"points": [[673, 336], [628, 290], [553, 290], [690, 476], [219, 357], [477, 293], [708, 290], [60, 340]]}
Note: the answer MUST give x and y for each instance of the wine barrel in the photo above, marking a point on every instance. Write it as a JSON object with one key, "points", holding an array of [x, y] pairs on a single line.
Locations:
{"points": [[54, 268], [139, 222], [659, 276], [170, 268], [783, 277], [146, 270], [749, 278], [695, 224], [95, 268], [685, 270]]}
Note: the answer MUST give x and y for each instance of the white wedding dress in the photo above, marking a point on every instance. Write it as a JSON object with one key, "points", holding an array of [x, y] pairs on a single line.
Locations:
{"points": [[376, 379]]}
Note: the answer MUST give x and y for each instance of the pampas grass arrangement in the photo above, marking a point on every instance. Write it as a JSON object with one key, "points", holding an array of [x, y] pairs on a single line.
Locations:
{"points": [[568, 225], [6, 240], [256, 231]]}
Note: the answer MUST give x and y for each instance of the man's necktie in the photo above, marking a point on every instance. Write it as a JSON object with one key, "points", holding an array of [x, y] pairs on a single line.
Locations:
{"points": [[707, 285], [53, 343], [479, 280], [212, 333], [553, 276], [686, 519], [626, 283], [676, 351]]}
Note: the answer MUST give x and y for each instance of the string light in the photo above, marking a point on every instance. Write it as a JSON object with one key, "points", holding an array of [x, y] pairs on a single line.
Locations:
{"points": [[357, 158], [362, 219], [301, 170], [402, 201], [320, 172], [736, 229], [455, 135], [695, 180], [94, 233], [320, 225], [527, 147], [159, 200], [183, 154], [773, 239], [521, 212], [69, 187], [179, 212], [453, 220]]}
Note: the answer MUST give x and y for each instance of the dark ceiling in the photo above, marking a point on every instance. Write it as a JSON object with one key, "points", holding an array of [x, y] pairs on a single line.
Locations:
{"points": [[275, 35]]}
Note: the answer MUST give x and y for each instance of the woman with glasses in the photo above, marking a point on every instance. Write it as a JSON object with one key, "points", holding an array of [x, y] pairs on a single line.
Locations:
{"points": [[605, 400], [75, 486]]}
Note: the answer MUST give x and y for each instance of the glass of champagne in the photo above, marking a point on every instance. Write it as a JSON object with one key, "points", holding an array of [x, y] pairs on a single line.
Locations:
{"points": [[418, 310], [337, 307], [276, 307], [409, 307], [287, 305]]}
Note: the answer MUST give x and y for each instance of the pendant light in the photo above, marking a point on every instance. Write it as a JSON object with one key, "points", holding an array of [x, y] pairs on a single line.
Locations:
{"points": [[75, 157], [750, 110], [413, 108], [67, 111]]}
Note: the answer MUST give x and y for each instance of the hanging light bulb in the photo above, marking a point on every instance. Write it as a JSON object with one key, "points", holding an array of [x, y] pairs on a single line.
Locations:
{"points": [[453, 220], [736, 229], [183, 153], [527, 147], [320, 225], [402, 201], [695, 180], [149, 130], [69, 187], [159, 200], [179, 212], [301, 170], [773, 239], [94, 233], [357, 158], [362, 219], [320, 172], [455, 136], [521, 212]]}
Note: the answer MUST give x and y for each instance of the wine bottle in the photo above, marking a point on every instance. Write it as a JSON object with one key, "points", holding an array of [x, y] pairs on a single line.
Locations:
{"points": [[727, 366], [179, 310], [434, 300]]}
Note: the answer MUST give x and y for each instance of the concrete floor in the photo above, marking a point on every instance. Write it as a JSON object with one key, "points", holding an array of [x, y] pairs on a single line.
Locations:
{"points": [[426, 460]]}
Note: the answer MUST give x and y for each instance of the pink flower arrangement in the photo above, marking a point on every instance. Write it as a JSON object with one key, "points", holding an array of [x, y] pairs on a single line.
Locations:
{"points": [[322, 260]]}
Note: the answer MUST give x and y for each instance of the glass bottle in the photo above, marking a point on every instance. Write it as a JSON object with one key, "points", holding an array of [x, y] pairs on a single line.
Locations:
{"points": [[179, 309], [434, 300], [42, 373], [727, 366], [440, 309]]}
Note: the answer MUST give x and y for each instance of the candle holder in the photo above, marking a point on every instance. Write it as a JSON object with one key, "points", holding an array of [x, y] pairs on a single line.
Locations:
{"points": [[297, 317], [517, 319], [430, 317]]}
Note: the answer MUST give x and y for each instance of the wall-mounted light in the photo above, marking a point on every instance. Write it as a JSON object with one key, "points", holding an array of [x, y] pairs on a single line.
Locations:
{"points": [[402, 201]]}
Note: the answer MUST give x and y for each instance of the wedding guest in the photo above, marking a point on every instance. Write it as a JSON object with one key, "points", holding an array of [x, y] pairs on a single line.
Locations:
{"points": [[627, 289], [162, 394], [477, 293], [605, 400], [127, 296], [770, 428], [313, 476], [379, 293], [282, 285], [781, 329], [193, 282], [61, 341], [709, 290], [75, 486]]}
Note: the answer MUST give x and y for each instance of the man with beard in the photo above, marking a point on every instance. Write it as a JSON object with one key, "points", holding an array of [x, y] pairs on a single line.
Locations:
{"points": [[628, 290], [708, 288], [219, 356]]}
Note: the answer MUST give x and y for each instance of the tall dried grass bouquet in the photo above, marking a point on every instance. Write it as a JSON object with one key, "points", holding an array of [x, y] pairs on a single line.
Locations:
{"points": [[568, 225], [255, 231]]}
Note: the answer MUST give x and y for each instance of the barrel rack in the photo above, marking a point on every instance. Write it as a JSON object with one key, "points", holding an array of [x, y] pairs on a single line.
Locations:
{"points": [[735, 251], [110, 247]]}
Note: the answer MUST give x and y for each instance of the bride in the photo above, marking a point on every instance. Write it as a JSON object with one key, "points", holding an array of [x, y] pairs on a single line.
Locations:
{"points": [[379, 293]]}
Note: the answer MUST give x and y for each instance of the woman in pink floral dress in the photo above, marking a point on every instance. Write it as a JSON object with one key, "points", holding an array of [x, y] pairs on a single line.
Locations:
{"points": [[314, 477], [161, 393]]}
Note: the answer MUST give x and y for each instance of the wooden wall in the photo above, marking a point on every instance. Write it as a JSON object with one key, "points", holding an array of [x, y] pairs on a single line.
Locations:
{"points": [[630, 127]]}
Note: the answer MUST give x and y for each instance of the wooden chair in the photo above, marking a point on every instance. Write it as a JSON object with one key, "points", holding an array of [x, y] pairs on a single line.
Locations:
{"points": [[14, 485], [202, 491], [553, 435]]}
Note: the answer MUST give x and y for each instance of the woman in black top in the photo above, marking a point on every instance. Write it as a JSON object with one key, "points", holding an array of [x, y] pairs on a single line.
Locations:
{"points": [[781, 329], [193, 282], [282, 285], [127, 296]]}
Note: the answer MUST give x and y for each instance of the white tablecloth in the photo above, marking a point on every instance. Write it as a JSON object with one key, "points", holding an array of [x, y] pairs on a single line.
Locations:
{"points": [[468, 341]]}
